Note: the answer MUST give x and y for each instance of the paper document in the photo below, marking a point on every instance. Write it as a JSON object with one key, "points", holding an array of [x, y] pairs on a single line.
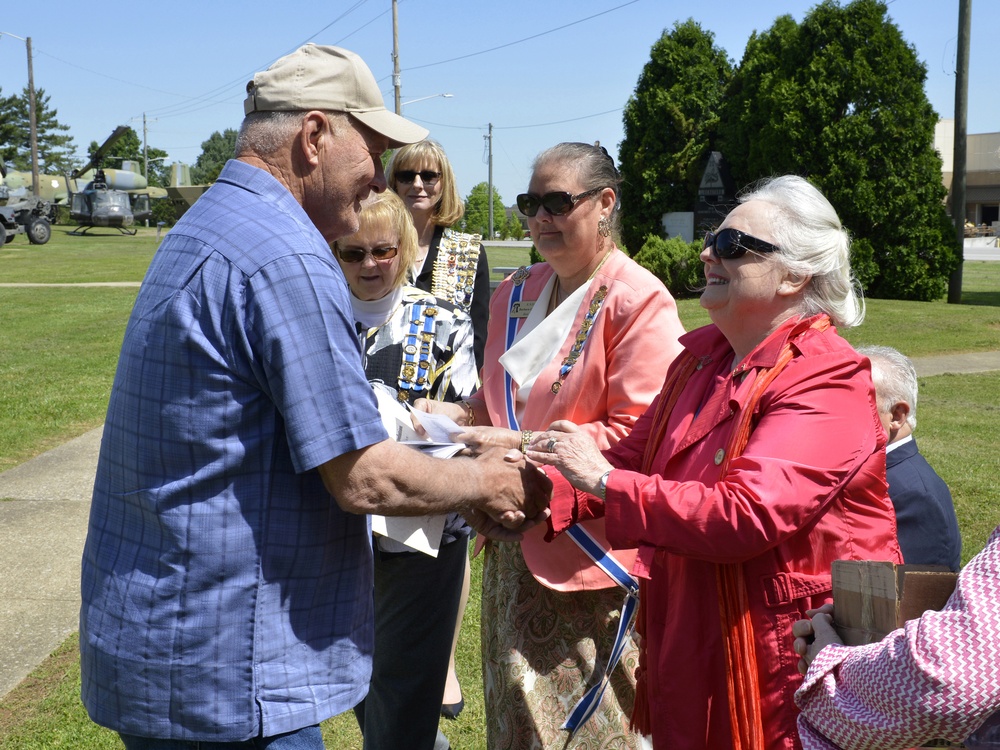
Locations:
{"points": [[439, 428], [421, 533]]}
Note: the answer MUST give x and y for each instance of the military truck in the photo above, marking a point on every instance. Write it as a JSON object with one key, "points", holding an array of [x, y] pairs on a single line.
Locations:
{"points": [[28, 215]]}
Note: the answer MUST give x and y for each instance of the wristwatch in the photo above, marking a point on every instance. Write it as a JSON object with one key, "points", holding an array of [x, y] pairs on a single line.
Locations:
{"points": [[603, 483]]}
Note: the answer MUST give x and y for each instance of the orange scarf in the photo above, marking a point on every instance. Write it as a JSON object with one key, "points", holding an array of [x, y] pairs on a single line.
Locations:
{"points": [[734, 606]]}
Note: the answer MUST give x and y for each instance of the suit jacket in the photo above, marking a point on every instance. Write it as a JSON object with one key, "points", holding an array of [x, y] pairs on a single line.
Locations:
{"points": [[620, 370], [925, 514]]}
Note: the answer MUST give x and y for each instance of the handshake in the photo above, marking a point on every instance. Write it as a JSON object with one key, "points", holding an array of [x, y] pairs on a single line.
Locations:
{"points": [[514, 495]]}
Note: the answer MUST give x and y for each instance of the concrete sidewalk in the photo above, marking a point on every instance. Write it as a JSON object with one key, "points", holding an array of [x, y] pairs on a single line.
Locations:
{"points": [[44, 505]]}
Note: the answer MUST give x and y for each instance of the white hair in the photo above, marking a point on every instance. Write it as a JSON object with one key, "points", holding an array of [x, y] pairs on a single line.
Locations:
{"points": [[895, 379], [263, 133], [813, 243]]}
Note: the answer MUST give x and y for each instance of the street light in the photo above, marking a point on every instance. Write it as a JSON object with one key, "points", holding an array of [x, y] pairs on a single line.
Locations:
{"points": [[32, 123], [422, 98]]}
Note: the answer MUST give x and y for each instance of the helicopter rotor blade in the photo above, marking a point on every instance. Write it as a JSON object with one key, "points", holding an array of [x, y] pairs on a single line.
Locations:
{"points": [[98, 156]]}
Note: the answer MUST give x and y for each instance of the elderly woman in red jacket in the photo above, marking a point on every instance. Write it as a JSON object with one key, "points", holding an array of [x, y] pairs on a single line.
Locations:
{"points": [[761, 461]]}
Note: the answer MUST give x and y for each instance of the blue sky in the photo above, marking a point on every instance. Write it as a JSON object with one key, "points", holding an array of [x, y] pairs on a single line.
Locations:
{"points": [[540, 72]]}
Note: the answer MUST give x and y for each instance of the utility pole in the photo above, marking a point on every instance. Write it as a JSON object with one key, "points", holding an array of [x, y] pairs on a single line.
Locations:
{"points": [[489, 188], [395, 57], [145, 150], [960, 158], [32, 123], [32, 117]]}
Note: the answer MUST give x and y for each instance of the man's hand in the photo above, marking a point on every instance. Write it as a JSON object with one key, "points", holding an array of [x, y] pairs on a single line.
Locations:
{"points": [[487, 527], [515, 492]]}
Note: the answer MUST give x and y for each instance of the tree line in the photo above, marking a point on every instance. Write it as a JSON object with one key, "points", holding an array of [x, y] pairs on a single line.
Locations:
{"points": [[838, 98]]}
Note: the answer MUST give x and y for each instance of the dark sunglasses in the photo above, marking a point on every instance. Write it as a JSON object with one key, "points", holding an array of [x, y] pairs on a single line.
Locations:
{"points": [[557, 204], [732, 243], [427, 176], [357, 255]]}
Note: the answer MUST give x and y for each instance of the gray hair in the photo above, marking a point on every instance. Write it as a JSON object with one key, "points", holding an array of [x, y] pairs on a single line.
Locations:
{"points": [[813, 243], [263, 133], [895, 379], [595, 168]]}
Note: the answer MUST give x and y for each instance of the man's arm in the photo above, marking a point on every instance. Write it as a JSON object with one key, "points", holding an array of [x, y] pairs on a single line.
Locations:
{"points": [[393, 480]]}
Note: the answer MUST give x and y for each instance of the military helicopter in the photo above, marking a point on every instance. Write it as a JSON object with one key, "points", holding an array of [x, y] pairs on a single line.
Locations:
{"points": [[104, 202]]}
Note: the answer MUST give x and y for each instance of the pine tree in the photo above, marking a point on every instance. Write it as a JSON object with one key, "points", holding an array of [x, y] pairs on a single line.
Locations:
{"points": [[477, 210], [840, 99], [215, 152], [669, 123], [55, 146]]}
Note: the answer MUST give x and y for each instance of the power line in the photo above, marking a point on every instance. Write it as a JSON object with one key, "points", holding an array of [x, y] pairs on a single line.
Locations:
{"points": [[515, 127], [525, 39]]}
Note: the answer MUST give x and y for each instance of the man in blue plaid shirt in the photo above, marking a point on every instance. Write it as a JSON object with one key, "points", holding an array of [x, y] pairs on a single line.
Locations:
{"points": [[227, 574]]}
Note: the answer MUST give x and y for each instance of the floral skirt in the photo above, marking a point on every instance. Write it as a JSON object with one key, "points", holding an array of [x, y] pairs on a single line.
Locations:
{"points": [[541, 649]]}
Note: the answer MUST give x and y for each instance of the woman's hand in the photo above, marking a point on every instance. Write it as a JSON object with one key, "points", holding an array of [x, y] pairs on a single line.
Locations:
{"points": [[813, 635], [480, 439], [487, 527], [574, 453], [454, 411], [510, 525]]}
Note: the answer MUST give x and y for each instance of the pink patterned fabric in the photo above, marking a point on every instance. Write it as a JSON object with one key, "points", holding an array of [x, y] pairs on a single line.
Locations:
{"points": [[937, 677]]}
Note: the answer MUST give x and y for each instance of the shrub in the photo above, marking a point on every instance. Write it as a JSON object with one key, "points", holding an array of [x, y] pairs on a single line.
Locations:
{"points": [[674, 262]]}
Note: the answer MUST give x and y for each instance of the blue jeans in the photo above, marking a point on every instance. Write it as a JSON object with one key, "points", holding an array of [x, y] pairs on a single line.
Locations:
{"points": [[307, 738]]}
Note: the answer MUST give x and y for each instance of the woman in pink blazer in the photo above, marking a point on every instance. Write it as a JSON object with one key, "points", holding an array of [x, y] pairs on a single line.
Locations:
{"points": [[585, 336]]}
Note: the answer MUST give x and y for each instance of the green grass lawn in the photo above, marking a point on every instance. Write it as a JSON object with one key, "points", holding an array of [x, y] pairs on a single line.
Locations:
{"points": [[58, 348]]}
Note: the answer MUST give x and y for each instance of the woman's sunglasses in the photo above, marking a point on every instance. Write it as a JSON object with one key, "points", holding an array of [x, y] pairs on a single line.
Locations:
{"points": [[557, 204], [357, 255], [427, 176], [732, 243]]}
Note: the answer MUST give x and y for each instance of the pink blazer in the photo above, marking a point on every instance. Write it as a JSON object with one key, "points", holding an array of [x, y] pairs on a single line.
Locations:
{"points": [[621, 369]]}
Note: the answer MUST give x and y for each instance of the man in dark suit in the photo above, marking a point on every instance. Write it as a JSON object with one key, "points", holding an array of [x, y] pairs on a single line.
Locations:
{"points": [[925, 514]]}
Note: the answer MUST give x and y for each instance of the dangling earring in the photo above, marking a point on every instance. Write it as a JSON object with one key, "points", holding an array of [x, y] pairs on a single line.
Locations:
{"points": [[604, 227]]}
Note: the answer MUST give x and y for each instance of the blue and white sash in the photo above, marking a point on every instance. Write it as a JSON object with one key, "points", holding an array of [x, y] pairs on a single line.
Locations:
{"points": [[618, 573]]}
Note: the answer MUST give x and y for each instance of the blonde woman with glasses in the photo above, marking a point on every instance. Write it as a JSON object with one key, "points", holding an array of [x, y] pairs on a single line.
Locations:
{"points": [[420, 347], [449, 264]]}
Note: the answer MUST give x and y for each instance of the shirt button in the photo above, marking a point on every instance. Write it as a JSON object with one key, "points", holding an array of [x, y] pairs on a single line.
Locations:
{"points": [[720, 456]]}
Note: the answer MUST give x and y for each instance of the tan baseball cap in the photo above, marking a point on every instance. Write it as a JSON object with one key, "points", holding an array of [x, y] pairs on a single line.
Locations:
{"points": [[328, 79]]}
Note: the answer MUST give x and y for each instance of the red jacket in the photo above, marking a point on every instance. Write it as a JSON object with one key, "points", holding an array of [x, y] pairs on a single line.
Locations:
{"points": [[808, 489]]}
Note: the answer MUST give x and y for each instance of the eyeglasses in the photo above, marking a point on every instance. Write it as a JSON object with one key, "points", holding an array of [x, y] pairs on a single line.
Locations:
{"points": [[427, 176], [357, 254], [732, 243], [557, 204]]}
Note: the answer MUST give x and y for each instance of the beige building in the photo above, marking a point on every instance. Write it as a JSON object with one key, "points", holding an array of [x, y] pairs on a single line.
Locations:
{"points": [[982, 179]]}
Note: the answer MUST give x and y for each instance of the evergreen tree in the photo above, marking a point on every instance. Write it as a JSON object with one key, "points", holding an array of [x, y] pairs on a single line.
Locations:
{"points": [[669, 125], [9, 136], [215, 152], [55, 146], [840, 99], [515, 229], [477, 210]]}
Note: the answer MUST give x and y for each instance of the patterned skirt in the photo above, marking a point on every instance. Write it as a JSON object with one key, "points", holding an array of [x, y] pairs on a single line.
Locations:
{"points": [[539, 652]]}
